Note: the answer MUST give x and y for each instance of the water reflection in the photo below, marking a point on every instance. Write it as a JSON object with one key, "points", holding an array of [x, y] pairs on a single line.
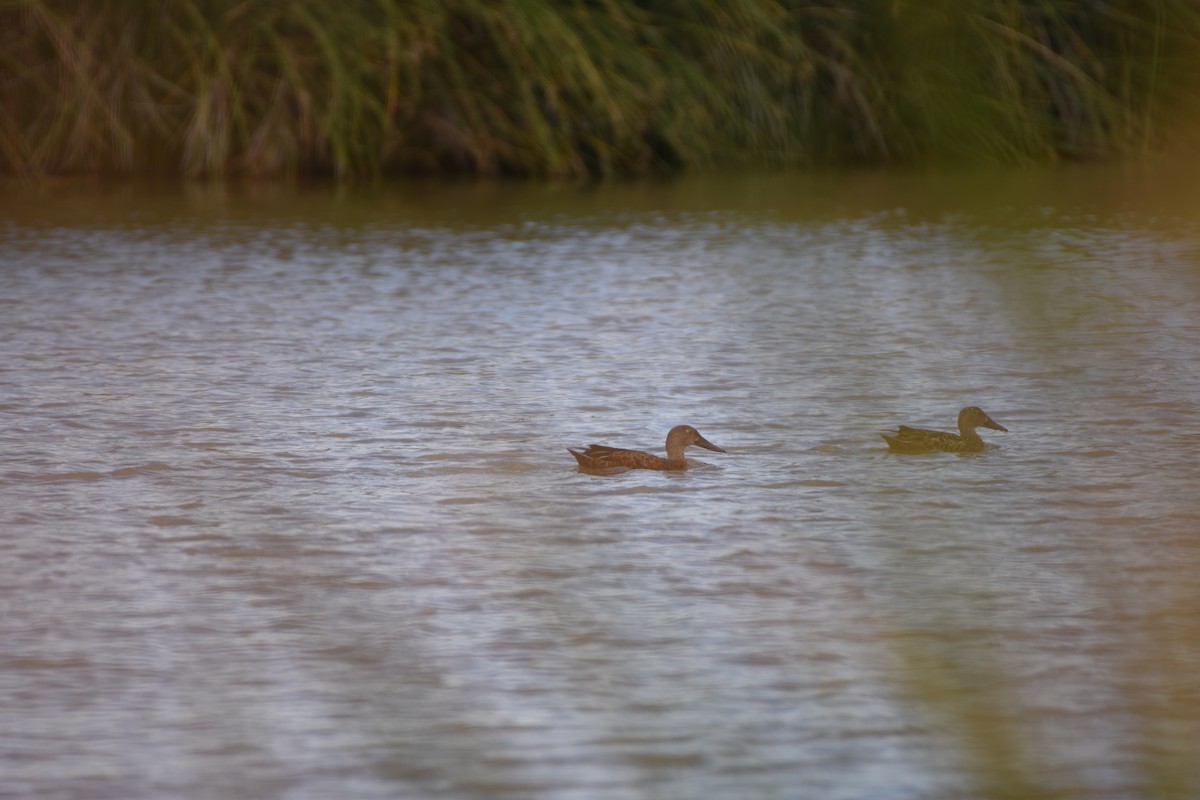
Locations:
{"points": [[291, 510]]}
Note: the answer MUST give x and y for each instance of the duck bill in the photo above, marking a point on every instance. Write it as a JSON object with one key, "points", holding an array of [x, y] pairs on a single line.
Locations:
{"points": [[707, 445], [996, 426]]}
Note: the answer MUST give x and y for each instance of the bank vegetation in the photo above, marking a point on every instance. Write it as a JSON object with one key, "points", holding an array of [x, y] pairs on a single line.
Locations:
{"points": [[363, 88]]}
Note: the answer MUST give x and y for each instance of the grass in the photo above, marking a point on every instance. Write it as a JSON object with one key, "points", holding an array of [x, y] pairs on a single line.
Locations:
{"points": [[976, 687], [584, 87]]}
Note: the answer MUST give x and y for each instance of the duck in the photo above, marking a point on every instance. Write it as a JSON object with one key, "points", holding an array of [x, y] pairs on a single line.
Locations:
{"points": [[918, 440], [598, 457]]}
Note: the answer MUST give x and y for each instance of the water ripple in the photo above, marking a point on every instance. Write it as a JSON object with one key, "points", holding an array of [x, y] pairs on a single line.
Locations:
{"points": [[290, 502]]}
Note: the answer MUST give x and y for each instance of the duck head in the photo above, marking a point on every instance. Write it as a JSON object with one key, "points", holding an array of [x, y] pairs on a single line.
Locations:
{"points": [[682, 436], [973, 417]]}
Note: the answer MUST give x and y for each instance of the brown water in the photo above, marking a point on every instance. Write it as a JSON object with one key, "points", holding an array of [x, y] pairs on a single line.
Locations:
{"points": [[286, 509]]}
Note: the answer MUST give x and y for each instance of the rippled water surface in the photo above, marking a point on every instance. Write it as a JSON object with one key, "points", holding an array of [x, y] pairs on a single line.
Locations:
{"points": [[286, 508]]}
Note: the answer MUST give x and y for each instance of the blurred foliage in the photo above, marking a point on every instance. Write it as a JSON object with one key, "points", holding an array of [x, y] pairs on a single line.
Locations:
{"points": [[1020, 732], [584, 87]]}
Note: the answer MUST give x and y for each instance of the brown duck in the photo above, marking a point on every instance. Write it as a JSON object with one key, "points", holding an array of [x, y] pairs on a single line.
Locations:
{"points": [[918, 440], [598, 457]]}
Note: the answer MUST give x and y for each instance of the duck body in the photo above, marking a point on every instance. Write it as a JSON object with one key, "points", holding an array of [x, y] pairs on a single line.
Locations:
{"points": [[601, 458], [919, 440]]}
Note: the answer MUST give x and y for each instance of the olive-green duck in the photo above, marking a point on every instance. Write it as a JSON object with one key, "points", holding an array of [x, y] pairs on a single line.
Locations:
{"points": [[598, 457], [918, 440]]}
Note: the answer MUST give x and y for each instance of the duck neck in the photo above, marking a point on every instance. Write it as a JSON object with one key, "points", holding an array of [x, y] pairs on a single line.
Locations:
{"points": [[967, 434]]}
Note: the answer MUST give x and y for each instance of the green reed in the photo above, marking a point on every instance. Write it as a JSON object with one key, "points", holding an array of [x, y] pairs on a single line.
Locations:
{"points": [[583, 87]]}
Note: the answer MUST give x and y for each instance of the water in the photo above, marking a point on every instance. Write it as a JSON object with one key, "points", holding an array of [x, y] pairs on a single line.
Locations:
{"points": [[287, 509]]}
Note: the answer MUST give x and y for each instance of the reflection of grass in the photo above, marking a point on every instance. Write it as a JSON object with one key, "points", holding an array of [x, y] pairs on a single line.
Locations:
{"points": [[559, 88]]}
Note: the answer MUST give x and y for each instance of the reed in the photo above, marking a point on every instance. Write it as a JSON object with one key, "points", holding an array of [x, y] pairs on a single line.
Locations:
{"points": [[583, 87]]}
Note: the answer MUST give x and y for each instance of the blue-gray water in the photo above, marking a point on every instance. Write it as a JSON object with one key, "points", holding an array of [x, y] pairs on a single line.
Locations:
{"points": [[286, 508]]}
